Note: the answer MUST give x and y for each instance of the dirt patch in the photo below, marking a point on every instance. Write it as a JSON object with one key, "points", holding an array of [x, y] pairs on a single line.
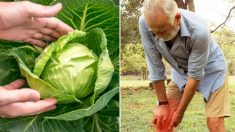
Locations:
{"points": [[130, 91], [231, 92], [137, 105]]}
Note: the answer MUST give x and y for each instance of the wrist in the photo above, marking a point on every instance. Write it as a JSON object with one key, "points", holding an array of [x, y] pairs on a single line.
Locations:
{"points": [[180, 109], [2, 4], [159, 103], [1, 17], [2, 12]]}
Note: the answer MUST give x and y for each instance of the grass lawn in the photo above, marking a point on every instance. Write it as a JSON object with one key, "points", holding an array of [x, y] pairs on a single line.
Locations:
{"points": [[138, 101]]}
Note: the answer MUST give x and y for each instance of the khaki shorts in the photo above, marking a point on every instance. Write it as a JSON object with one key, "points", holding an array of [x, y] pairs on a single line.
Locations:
{"points": [[217, 105]]}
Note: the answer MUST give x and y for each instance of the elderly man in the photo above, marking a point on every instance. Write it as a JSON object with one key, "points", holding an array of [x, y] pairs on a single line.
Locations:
{"points": [[197, 64]]}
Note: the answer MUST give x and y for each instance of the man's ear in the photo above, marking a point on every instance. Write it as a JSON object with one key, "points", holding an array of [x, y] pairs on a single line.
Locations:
{"points": [[177, 18]]}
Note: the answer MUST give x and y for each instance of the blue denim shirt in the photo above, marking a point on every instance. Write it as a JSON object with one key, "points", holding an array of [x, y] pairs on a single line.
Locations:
{"points": [[194, 54]]}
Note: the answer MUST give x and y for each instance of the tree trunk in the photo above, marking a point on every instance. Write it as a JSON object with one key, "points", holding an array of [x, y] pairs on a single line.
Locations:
{"points": [[188, 4], [181, 4], [144, 74]]}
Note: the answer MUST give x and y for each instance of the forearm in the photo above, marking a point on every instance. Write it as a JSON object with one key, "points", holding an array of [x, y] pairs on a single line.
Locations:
{"points": [[2, 4], [159, 87], [188, 94]]}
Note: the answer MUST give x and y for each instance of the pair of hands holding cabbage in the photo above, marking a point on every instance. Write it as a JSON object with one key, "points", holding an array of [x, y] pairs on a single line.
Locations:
{"points": [[32, 23]]}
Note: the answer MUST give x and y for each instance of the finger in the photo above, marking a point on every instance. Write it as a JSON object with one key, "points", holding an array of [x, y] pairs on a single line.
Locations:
{"points": [[50, 32], [15, 84], [28, 108], [44, 110], [175, 124], [32, 108], [36, 42], [18, 95], [41, 36], [154, 121], [159, 121], [48, 38], [164, 119], [11, 114], [171, 118], [38, 36], [171, 124], [37, 10], [49, 108], [57, 25]]}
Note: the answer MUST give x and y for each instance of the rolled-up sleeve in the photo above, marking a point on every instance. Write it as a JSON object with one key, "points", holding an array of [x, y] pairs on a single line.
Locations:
{"points": [[153, 57], [199, 54]]}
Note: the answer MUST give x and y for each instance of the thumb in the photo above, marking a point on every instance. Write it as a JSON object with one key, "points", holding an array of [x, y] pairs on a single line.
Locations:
{"points": [[37, 10], [171, 124]]}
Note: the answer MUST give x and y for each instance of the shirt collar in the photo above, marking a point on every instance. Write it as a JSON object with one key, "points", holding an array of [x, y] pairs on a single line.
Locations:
{"points": [[183, 28]]}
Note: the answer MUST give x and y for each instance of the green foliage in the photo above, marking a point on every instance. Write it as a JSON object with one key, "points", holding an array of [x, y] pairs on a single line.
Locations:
{"points": [[8, 66], [224, 36], [133, 59], [226, 39], [129, 21], [97, 111], [85, 15]]}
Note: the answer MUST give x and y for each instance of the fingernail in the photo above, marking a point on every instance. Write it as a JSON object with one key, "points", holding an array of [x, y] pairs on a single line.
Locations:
{"points": [[58, 4], [21, 80], [55, 101], [51, 108], [52, 100]]}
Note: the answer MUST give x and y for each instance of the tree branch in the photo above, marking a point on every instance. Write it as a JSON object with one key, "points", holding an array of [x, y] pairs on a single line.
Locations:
{"points": [[225, 20]]}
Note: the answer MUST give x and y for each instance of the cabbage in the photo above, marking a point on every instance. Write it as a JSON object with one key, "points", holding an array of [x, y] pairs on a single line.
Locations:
{"points": [[80, 70], [72, 70], [68, 70]]}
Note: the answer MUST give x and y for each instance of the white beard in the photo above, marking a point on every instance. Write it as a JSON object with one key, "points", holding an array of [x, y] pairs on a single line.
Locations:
{"points": [[172, 35]]}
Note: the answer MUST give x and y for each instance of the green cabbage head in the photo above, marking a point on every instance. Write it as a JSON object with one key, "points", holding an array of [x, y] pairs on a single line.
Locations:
{"points": [[75, 66], [72, 69]]}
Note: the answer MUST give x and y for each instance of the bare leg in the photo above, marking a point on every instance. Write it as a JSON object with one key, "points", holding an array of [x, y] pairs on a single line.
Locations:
{"points": [[216, 124]]}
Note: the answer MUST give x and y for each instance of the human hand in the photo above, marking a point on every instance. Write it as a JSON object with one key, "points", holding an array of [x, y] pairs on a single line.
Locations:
{"points": [[29, 22], [16, 102], [176, 119], [161, 115]]}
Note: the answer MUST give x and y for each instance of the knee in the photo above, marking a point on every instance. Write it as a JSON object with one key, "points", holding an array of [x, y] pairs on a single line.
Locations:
{"points": [[215, 123]]}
